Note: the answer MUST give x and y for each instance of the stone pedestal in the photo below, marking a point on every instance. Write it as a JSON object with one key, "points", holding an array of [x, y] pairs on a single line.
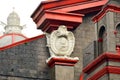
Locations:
{"points": [[62, 68]]}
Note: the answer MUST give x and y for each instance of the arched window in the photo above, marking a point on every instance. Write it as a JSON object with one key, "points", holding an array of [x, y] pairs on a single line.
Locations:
{"points": [[102, 47], [118, 35]]}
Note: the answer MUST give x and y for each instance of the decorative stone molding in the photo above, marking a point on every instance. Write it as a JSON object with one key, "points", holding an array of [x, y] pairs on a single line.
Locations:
{"points": [[60, 42], [62, 61]]}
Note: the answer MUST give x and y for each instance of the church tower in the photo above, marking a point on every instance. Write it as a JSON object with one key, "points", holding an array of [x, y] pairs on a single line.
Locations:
{"points": [[13, 30], [105, 66]]}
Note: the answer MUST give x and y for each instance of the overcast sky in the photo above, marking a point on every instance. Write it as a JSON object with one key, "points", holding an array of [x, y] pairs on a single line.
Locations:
{"points": [[24, 8]]}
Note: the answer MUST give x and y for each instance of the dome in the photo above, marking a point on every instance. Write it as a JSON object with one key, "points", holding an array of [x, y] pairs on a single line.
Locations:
{"points": [[9, 39], [13, 19], [13, 23]]}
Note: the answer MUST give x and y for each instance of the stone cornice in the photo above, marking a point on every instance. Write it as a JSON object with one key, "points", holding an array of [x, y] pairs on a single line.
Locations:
{"points": [[101, 14], [95, 70], [105, 70], [63, 12], [101, 59], [51, 20]]}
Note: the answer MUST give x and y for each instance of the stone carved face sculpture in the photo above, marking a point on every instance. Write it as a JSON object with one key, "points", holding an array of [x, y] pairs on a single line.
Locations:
{"points": [[61, 42]]}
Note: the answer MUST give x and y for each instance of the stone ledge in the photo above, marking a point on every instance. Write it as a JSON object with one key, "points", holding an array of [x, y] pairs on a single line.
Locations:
{"points": [[64, 61]]}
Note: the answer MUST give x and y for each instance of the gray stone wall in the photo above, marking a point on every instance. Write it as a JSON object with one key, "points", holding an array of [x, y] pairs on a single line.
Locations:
{"points": [[116, 19], [89, 53], [104, 77], [117, 27], [101, 23], [111, 43], [60, 72], [25, 62], [115, 2], [84, 35], [114, 77], [102, 46]]}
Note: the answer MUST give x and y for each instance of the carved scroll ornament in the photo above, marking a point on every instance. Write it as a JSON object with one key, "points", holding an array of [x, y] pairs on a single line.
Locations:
{"points": [[61, 42]]}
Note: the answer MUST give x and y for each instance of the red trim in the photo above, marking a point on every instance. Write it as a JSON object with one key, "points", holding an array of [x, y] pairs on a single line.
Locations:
{"points": [[99, 74], [88, 10], [53, 4], [102, 58], [59, 16], [12, 38], [13, 34], [100, 40], [46, 22], [67, 6], [118, 49], [105, 70], [61, 61], [115, 32], [56, 13], [90, 4], [63, 64], [81, 76], [101, 14], [21, 42], [114, 70]]}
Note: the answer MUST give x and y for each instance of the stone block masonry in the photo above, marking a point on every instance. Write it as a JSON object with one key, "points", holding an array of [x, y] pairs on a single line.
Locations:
{"points": [[25, 62]]}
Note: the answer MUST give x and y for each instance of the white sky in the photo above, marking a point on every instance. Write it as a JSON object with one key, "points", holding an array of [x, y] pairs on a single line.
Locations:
{"points": [[24, 8]]}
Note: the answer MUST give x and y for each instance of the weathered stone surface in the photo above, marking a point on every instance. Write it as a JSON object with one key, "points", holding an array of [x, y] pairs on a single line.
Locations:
{"points": [[105, 77], [89, 53], [26, 61], [114, 77], [84, 35], [60, 72]]}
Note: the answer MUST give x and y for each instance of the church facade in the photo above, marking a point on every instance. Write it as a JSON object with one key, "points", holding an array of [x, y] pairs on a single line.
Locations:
{"points": [[81, 42]]}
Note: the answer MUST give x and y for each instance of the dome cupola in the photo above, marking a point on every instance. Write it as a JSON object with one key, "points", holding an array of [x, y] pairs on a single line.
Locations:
{"points": [[13, 30], [13, 23], [13, 19]]}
